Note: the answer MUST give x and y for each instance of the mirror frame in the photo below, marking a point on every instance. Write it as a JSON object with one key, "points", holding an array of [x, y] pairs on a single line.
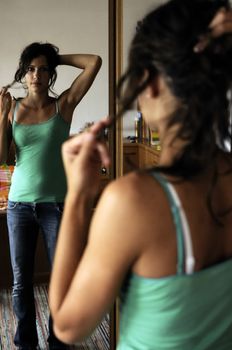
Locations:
{"points": [[115, 134], [115, 71]]}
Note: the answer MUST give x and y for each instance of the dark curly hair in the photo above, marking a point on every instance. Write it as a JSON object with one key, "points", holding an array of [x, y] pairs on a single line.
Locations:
{"points": [[163, 44], [34, 50]]}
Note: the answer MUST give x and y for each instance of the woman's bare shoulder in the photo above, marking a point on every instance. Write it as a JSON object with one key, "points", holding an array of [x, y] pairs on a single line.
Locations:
{"points": [[132, 189], [130, 182]]}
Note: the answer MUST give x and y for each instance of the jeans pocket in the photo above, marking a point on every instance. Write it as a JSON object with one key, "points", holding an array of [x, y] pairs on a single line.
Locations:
{"points": [[12, 205]]}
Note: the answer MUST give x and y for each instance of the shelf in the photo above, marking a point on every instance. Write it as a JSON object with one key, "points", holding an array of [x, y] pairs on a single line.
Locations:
{"points": [[139, 155]]}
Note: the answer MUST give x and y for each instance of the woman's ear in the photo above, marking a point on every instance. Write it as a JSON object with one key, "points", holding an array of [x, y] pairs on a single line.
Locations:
{"points": [[155, 87]]}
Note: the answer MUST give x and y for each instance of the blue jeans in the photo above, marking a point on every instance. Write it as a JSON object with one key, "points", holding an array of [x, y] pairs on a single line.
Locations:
{"points": [[24, 221]]}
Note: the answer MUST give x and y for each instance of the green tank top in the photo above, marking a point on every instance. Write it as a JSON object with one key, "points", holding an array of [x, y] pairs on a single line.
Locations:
{"points": [[39, 174], [187, 311]]}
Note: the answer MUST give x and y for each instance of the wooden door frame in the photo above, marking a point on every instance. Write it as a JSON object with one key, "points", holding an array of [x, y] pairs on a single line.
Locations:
{"points": [[115, 139]]}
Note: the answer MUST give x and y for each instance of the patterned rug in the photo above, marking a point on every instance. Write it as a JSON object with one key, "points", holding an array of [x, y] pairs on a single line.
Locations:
{"points": [[99, 340]]}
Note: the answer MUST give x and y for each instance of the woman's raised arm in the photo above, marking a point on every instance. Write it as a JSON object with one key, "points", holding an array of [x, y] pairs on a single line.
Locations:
{"points": [[90, 65]]}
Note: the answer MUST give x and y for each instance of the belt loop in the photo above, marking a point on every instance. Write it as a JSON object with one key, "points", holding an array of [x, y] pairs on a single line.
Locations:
{"points": [[34, 206]]}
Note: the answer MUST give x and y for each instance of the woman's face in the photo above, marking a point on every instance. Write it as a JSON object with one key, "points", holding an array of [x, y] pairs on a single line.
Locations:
{"points": [[37, 76]]}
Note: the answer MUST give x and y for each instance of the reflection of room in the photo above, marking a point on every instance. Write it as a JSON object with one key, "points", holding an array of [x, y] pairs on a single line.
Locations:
{"points": [[140, 145]]}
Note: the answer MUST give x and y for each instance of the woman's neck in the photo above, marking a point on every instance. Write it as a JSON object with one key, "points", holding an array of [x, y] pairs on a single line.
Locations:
{"points": [[171, 145], [36, 101]]}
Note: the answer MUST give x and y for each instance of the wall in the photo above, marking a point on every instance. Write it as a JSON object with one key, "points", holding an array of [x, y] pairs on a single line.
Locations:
{"points": [[75, 26]]}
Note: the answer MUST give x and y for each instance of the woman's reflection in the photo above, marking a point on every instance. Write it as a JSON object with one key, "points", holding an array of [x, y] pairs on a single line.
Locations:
{"points": [[38, 124]]}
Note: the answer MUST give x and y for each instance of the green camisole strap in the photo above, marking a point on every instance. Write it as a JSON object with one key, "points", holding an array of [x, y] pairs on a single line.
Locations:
{"points": [[16, 109], [186, 259]]}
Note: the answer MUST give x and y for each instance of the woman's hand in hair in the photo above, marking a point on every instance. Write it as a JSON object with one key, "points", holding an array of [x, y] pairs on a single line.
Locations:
{"points": [[5, 102], [83, 157], [220, 25]]}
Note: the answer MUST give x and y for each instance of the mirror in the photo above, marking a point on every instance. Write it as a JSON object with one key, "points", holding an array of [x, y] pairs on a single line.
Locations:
{"points": [[76, 26]]}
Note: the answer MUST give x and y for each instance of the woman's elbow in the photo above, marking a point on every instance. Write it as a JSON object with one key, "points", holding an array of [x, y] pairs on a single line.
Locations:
{"points": [[97, 62], [65, 335], [69, 332]]}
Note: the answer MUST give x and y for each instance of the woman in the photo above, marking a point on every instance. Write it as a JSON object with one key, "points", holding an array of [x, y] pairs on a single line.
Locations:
{"points": [[38, 124], [160, 238]]}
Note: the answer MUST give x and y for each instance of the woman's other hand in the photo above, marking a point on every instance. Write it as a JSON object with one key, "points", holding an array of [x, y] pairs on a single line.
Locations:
{"points": [[83, 157], [5, 102], [220, 25]]}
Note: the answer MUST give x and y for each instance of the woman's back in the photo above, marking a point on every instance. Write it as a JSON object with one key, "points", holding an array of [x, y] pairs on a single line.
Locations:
{"points": [[212, 241], [161, 306]]}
